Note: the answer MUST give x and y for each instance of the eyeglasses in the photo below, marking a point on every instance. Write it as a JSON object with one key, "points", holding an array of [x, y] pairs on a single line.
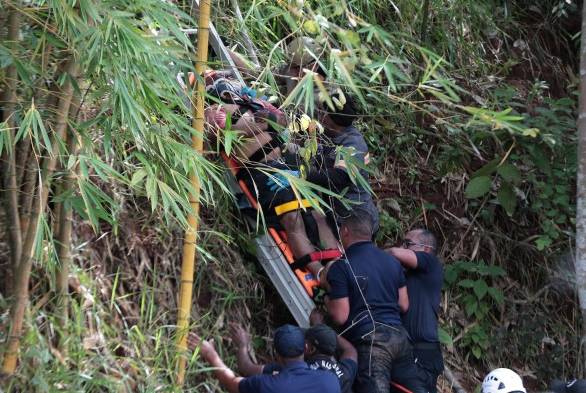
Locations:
{"points": [[406, 243]]}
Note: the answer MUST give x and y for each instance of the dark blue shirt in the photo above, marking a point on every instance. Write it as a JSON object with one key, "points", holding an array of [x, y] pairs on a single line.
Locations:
{"points": [[295, 377], [344, 369], [375, 273], [424, 285], [353, 139]]}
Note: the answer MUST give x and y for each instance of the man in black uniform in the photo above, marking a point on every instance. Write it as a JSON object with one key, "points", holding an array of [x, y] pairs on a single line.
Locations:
{"points": [[424, 274], [332, 171], [294, 376], [367, 295], [321, 345]]}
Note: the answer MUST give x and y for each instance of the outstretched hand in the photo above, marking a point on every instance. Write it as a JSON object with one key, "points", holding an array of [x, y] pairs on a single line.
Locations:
{"points": [[206, 348], [316, 317], [239, 335]]}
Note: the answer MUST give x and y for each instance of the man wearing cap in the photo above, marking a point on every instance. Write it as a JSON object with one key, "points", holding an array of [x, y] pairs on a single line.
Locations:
{"points": [[425, 277], [294, 376], [321, 345], [367, 296]]}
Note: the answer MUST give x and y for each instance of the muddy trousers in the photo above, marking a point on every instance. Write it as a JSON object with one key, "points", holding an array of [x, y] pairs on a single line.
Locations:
{"points": [[384, 356], [430, 364]]}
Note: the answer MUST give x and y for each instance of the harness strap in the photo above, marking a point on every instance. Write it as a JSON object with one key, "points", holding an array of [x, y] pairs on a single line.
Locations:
{"points": [[323, 256], [291, 206]]}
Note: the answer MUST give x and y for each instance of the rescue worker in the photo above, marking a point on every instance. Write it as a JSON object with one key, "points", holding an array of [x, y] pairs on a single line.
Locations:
{"points": [[321, 343], [333, 171], [573, 386], [424, 274], [502, 380], [368, 292], [295, 375]]}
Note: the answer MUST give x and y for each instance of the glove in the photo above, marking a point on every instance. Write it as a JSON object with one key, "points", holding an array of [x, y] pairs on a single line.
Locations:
{"points": [[247, 91], [278, 181]]}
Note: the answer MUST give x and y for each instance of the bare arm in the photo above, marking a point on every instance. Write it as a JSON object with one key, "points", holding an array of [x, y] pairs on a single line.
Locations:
{"points": [[246, 366], [242, 65], [403, 299], [222, 373], [408, 258], [348, 350], [339, 310]]}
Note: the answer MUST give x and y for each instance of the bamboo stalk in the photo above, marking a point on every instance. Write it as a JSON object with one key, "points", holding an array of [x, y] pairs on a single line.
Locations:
{"points": [[28, 184], [10, 183], [22, 277], [189, 243], [580, 261], [64, 240]]}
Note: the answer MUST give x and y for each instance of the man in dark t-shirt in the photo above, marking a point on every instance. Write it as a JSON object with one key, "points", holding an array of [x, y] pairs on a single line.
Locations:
{"points": [[424, 273], [342, 143], [295, 375], [321, 345], [368, 293]]}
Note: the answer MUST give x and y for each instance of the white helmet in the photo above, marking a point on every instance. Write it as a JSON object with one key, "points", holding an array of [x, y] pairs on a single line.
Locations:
{"points": [[503, 380]]}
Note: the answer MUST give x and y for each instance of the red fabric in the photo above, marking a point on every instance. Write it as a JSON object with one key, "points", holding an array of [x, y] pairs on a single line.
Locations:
{"points": [[325, 254]]}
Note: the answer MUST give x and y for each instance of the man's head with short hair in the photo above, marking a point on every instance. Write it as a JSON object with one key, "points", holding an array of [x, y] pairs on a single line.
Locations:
{"points": [[357, 226], [289, 342], [420, 239], [321, 340], [341, 115]]}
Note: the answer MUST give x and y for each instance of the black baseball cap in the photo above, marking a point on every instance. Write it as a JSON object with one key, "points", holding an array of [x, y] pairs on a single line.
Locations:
{"points": [[574, 386], [289, 341], [323, 338]]}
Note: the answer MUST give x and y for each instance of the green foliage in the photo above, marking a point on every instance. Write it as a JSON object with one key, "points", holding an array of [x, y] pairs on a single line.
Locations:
{"points": [[548, 162], [438, 106], [479, 298]]}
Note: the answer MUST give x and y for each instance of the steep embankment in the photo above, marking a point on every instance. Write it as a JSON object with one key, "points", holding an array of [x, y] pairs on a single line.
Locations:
{"points": [[435, 85]]}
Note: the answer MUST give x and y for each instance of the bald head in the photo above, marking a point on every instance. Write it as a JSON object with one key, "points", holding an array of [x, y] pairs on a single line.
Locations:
{"points": [[424, 239]]}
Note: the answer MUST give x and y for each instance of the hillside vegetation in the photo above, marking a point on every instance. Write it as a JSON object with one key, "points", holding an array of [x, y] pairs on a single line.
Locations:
{"points": [[470, 113]]}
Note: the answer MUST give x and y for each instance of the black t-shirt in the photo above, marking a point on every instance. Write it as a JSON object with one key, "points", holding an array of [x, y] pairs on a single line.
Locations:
{"points": [[424, 285], [377, 275], [345, 369], [351, 138]]}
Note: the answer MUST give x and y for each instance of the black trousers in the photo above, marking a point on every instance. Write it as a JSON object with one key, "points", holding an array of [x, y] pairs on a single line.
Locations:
{"points": [[430, 364], [385, 356]]}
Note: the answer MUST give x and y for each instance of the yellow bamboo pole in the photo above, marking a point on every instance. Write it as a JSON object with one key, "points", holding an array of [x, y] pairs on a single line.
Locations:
{"points": [[189, 243]]}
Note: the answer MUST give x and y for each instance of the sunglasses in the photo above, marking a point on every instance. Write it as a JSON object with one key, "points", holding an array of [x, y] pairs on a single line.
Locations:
{"points": [[406, 243]]}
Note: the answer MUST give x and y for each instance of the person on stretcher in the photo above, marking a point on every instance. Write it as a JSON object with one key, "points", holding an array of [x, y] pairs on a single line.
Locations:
{"points": [[259, 123]]}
